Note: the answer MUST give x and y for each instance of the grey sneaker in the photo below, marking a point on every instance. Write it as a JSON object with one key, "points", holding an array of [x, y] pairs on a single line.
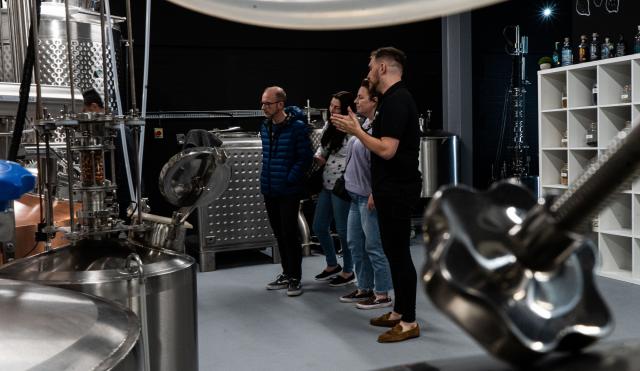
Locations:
{"points": [[295, 287], [281, 282], [373, 303]]}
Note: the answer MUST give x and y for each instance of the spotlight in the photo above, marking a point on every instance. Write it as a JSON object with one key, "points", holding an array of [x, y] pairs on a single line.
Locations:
{"points": [[547, 12]]}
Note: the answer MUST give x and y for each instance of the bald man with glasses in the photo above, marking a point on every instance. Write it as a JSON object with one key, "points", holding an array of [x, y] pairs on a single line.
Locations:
{"points": [[286, 157]]}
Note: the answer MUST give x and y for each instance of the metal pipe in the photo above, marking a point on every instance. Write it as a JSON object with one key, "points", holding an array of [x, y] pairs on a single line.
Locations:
{"points": [[2, 47], [36, 62], [135, 258], [70, 56], [48, 193], [105, 74], [132, 78], [145, 82], [123, 137], [136, 136], [70, 176]]}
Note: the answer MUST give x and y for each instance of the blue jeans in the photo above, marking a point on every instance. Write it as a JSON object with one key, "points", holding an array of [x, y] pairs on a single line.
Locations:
{"points": [[331, 207], [363, 237]]}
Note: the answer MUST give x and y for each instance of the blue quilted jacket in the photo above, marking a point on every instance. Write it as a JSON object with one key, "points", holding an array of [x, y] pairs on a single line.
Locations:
{"points": [[286, 155]]}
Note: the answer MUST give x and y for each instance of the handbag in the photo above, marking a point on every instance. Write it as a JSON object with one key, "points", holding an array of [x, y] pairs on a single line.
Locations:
{"points": [[340, 190]]}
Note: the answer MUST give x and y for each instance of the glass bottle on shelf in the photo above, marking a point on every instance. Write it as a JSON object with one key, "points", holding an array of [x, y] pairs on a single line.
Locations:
{"points": [[620, 47], [564, 99], [591, 137], [625, 96], [607, 49], [564, 141], [636, 42], [583, 49], [594, 48], [555, 57], [564, 174], [594, 94], [567, 54]]}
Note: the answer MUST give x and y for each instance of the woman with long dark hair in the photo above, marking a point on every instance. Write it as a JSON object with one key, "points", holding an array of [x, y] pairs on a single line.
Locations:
{"points": [[332, 153]]}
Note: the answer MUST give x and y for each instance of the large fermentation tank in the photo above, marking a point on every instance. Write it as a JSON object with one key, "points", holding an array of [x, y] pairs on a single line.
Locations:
{"points": [[52, 44], [47, 328], [98, 268], [238, 219]]}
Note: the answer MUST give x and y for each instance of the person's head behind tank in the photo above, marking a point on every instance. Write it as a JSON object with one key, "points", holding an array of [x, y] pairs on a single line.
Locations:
{"points": [[92, 101]]}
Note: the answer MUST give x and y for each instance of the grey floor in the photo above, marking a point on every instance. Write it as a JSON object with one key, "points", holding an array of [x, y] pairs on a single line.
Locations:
{"points": [[242, 326]]}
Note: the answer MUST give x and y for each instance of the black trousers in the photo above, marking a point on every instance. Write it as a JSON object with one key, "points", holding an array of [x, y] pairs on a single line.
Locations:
{"points": [[283, 216], [394, 219]]}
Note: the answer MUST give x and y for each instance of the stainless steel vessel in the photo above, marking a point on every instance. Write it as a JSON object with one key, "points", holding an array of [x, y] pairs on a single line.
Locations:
{"points": [[439, 153], [98, 267], [46, 328]]}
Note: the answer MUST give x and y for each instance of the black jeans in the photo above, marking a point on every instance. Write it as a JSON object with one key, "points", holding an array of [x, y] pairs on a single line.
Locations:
{"points": [[283, 216], [394, 219]]}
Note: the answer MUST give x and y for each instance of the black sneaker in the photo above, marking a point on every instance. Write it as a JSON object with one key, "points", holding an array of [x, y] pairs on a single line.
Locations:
{"points": [[356, 296], [338, 280], [295, 287], [281, 282], [373, 303], [327, 275]]}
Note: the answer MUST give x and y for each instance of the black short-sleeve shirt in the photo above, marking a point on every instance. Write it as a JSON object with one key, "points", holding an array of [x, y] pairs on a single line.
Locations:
{"points": [[397, 118]]}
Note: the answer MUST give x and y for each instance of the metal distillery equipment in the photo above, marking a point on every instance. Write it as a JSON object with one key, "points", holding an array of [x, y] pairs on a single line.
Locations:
{"points": [[90, 333], [106, 256]]}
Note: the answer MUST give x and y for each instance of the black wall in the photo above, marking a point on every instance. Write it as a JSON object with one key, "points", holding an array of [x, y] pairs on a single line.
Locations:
{"points": [[607, 24], [203, 63], [492, 68]]}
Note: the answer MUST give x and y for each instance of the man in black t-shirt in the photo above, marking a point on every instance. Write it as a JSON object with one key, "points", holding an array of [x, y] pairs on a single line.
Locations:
{"points": [[396, 182]]}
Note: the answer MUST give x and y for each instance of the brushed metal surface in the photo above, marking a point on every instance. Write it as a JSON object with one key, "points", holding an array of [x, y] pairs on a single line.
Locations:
{"points": [[47, 328], [97, 268]]}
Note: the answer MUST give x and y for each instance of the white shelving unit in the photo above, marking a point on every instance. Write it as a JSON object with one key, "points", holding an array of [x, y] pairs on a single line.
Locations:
{"points": [[618, 226]]}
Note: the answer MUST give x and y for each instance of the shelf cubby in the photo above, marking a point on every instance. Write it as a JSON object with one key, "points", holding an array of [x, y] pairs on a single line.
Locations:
{"points": [[554, 124], [553, 84], [635, 82], [580, 87], [615, 218], [615, 254], [579, 161], [552, 162], [635, 259], [611, 121], [611, 79], [579, 123]]}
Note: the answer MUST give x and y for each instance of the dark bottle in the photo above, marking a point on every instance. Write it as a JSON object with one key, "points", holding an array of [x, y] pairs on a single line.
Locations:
{"points": [[567, 54], [594, 48], [636, 43], [583, 49], [607, 49], [620, 47], [556, 61]]}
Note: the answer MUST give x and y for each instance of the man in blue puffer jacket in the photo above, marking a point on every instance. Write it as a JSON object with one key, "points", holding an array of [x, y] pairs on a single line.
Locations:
{"points": [[286, 157]]}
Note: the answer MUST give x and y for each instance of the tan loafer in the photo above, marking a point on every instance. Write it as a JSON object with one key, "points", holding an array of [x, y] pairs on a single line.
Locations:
{"points": [[396, 334], [384, 321]]}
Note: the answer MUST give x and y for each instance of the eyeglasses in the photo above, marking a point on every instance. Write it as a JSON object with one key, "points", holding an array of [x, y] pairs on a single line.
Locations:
{"points": [[268, 104]]}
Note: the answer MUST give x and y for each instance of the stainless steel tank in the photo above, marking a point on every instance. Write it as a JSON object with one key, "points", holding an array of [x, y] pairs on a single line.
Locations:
{"points": [[438, 161], [46, 328], [98, 268], [52, 46]]}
